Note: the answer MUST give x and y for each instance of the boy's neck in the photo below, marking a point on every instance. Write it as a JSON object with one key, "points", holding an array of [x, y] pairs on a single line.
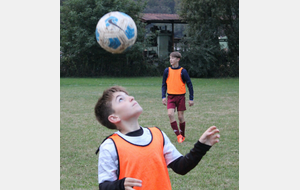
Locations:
{"points": [[125, 128], [136, 133], [175, 65]]}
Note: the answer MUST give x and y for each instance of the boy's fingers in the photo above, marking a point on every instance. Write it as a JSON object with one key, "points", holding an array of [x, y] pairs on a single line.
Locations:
{"points": [[212, 128], [210, 136], [215, 131], [209, 130], [217, 137], [133, 182]]}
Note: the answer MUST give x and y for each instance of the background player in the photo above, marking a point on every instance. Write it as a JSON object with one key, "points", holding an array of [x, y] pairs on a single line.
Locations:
{"points": [[174, 80]]}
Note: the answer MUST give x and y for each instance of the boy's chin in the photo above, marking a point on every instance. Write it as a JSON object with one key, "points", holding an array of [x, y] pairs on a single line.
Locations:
{"points": [[141, 110]]}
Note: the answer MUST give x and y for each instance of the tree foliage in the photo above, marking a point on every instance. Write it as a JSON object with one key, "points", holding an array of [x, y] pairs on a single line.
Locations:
{"points": [[207, 21], [82, 55], [160, 6]]}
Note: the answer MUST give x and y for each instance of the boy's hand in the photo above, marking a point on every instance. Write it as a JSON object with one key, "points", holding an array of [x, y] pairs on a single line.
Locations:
{"points": [[129, 183], [210, 136], [191, 102], [164, 101]]}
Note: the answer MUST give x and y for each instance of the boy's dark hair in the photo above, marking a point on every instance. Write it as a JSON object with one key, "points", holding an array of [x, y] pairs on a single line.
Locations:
{"points": [[103, 108], [176, 54]]}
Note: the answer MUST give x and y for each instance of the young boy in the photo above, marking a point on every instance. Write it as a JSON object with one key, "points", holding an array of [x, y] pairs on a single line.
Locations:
{"points": [[135, 157], [174, 80]]}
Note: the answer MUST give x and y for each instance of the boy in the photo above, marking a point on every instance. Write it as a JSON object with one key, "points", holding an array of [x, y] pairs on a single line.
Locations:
{"points": [[135, 157], [174, 80]]}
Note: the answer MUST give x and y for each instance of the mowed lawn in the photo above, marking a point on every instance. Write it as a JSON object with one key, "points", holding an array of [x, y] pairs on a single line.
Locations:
{"points": [[216, 103]]}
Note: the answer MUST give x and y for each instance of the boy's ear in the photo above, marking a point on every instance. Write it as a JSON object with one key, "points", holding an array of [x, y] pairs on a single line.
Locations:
{"points": [[113, 118]]}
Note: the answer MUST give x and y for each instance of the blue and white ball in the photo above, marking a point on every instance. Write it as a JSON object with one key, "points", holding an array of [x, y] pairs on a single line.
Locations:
{"points": [[116, 32]]}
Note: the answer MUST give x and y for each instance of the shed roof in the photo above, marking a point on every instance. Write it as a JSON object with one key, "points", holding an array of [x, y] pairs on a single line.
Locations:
{"points": [[162, 18]]}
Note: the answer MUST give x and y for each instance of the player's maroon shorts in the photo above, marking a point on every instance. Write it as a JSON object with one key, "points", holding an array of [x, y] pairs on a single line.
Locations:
{"points": [[176, 101]]}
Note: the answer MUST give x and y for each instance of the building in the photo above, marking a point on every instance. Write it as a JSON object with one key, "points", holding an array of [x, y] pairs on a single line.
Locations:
{"points": [[164, 42]]}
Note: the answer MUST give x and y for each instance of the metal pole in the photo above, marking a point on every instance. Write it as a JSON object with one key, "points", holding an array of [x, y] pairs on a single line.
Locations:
{"points": [[173, 35]]}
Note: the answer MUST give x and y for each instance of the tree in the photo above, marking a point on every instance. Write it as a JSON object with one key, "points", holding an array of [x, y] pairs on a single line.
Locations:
{"points": [[160, 6], [81, 54], [230, 21], [207, 21]]}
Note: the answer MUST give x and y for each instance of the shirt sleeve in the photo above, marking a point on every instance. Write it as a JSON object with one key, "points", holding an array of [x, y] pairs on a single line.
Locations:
{"points": [[184, 164], [187, 80], [164, 83], [170, 152], [107, 162], [113, 185]]}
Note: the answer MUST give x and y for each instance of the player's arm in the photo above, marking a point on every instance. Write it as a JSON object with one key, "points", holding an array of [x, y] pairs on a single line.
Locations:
{"points": [[186, 78], [184, 164], [164, 85], [112, 185], [123, 184], [107, 167]]}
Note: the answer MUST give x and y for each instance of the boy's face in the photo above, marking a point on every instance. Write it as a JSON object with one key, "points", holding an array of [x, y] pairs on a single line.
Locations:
{"points": [[125, 106], [174, 61]]}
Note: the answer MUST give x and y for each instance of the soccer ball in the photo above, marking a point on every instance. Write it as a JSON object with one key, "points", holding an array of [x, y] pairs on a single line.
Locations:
{"points": [[116, 32]]}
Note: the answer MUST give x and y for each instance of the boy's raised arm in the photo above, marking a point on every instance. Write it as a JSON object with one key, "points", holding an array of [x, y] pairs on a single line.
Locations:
{"points": [[184, 164]]}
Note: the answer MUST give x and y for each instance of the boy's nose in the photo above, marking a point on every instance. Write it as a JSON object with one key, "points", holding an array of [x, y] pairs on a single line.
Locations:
{"points": [[131, 98]]}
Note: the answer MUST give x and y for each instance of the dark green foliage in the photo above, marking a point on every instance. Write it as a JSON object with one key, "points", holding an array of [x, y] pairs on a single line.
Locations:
{"points": [[160, 6], [82, 55], [209, 19]]}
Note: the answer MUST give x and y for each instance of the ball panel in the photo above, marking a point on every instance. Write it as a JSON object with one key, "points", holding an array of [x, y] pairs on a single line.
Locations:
{"points": [[111, 20], [130, 32], [97, 35], [124, 14], [115, 32], [114, 43]]}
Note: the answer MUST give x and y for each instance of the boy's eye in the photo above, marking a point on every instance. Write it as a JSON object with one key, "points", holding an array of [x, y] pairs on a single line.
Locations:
{"points": [[120, 99]]}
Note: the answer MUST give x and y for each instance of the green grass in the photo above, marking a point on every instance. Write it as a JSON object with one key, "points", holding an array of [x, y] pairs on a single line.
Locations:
{"points": [[216, 103]]}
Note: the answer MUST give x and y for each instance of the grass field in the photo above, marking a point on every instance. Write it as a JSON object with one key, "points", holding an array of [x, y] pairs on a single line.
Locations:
{"points": [[216, 103]]}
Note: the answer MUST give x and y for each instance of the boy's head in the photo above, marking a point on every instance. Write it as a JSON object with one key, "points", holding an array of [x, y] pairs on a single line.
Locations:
{"points": [[103, 108], [175, 54], [175, 58]]}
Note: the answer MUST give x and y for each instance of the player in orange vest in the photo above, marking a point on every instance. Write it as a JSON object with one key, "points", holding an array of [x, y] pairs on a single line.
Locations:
{"points": [[135, 157], [174, 80]]}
